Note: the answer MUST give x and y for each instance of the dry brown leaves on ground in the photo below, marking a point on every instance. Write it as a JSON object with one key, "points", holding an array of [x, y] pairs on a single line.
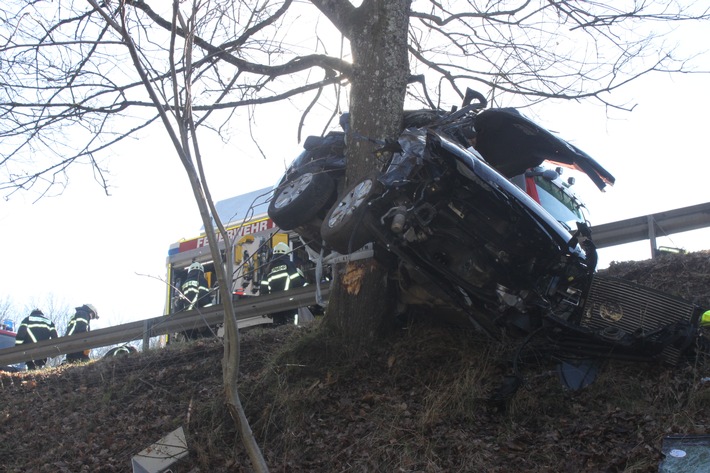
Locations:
{"points": [[416, 403]]}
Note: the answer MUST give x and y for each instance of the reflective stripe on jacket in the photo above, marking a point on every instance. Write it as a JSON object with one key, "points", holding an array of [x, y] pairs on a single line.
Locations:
{"points": [[35, 328], [79, 323], [195, 292], [283, 275]]}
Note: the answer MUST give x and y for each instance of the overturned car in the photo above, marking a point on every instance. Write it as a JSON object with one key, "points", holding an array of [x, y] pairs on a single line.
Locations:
{"points": [[471, 206]]}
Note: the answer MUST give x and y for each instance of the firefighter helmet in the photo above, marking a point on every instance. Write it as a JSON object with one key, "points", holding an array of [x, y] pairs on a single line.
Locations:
{"points": [[93, 313], [281, 248], [195, 266]]}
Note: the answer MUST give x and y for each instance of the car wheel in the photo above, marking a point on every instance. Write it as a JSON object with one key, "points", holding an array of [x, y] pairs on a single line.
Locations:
{"points": [[345, 227], [300, 199]]}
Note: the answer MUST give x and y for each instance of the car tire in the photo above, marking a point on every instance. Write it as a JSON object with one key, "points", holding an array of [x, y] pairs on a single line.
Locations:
{"points": [[300, 199], [345, 227]]}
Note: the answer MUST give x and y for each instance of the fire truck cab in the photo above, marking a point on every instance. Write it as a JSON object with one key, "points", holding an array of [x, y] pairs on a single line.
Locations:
{"points": [[252, 235]]}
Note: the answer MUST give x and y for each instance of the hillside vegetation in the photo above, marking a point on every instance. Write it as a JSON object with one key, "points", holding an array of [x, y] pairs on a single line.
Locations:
{"points": [[420, 402]]}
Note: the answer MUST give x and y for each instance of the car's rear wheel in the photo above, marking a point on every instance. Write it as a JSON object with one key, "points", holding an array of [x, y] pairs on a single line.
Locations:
{"points": [[346, 227], [300, 199]]}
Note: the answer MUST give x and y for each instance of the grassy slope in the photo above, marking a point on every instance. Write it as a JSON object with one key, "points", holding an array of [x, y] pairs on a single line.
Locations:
{"points": [[418, 403]]}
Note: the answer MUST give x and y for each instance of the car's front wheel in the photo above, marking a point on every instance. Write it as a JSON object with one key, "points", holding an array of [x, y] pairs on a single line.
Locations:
{"points": [[345, 227], [300, 199]]}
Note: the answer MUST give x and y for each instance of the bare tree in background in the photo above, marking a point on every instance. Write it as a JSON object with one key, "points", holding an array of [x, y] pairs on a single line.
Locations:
{"points": [[54, 308], [8, 312], [79, 77], [63, 72]]}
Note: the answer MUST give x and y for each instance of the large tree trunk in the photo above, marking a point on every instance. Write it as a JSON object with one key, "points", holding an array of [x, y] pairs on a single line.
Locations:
{"points": [[362, 300]]}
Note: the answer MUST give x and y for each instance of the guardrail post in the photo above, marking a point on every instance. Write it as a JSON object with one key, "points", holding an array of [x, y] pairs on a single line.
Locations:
{"points": [[146, 335], [652, 234]]}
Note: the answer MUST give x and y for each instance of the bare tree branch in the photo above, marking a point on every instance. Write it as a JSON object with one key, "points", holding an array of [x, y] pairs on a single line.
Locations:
{"points": [[62, 66], [74, 78]]}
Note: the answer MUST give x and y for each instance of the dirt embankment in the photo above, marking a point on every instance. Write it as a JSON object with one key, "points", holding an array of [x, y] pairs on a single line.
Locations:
{"points": [[417, 403]]}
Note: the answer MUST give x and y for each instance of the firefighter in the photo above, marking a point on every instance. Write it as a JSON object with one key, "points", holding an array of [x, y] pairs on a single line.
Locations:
{"points": [[35, 328], [121, 350], [81, 323], [282, 275], [194, 291], [194, 295]]}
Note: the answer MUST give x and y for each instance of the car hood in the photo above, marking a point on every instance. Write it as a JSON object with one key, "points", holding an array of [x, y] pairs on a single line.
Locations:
{"points": [[512, 143]]}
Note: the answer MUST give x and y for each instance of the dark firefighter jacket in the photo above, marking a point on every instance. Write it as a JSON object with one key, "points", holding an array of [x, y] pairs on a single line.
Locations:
{"points": [[34, 328], [281, 275], [194, 291], [79, 323]]}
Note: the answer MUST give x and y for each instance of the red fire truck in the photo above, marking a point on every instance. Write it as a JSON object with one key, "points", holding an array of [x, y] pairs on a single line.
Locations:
{"points": [[252, 235]]}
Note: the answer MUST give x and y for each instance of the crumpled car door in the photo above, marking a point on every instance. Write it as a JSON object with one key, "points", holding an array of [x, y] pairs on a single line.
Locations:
{"points": [[511, 143]]}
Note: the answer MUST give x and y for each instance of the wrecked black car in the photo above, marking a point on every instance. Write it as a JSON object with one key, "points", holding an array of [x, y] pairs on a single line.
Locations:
{"points": [[472, 214]]}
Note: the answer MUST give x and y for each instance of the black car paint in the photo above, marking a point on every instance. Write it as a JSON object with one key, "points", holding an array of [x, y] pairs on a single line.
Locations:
{"points": [[471, 242], [483, 234]]}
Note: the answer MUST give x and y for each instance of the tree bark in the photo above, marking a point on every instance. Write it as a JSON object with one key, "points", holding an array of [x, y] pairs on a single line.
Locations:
{"points": [[362, 300]]}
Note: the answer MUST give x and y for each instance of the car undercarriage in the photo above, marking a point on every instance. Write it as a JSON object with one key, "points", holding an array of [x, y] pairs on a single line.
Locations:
{"points": [[460, 237]]}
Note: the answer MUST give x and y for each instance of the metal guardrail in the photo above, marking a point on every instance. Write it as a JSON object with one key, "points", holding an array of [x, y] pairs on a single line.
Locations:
{"points": [[245, 309], [648, 227], [605, 235]]}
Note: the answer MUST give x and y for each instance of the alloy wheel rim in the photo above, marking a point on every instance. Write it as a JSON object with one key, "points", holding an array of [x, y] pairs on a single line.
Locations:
{"points": [[351, 201], [291, 192]]}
